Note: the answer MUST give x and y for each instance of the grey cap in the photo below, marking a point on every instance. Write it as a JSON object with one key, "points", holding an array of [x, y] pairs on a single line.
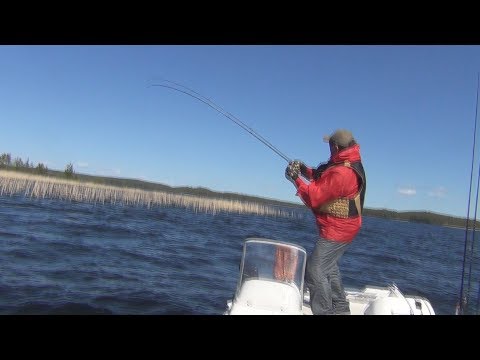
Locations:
{"points": [[341, 137]]}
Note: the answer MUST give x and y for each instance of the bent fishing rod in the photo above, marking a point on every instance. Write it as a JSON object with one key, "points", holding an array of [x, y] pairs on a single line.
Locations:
{"points": [[467, 253], [185, 90]]}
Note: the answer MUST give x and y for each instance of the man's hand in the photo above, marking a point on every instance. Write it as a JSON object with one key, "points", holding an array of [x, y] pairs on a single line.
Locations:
{"points": [[301, 165], [303, 168], [292, 171]]}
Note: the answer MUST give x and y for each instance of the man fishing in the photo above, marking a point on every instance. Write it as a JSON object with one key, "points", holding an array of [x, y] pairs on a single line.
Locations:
{"points": [[335, 194]]}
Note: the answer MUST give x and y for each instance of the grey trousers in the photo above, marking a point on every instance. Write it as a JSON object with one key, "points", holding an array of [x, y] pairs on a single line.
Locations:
{"points": [[323, 279]]}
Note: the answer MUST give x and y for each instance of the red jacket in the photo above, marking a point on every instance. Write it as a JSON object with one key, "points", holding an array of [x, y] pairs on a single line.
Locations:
{"points": [[335, 182]]}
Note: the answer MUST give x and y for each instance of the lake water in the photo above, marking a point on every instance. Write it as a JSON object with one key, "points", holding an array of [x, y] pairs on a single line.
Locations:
{"points": [[60, 257]]}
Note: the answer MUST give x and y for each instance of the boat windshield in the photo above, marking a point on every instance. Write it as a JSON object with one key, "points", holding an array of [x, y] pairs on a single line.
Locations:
{"points": [[265, 259]]}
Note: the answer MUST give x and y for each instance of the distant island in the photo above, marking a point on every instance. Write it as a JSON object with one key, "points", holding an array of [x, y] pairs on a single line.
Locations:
{"points": [[411, 216]]}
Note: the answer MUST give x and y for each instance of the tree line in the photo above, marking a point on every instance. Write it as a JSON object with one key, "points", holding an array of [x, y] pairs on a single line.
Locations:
{"points": [[19, 164]]}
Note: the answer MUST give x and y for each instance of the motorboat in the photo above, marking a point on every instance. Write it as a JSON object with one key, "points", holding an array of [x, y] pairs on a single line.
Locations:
{"points": [[271, 282]]}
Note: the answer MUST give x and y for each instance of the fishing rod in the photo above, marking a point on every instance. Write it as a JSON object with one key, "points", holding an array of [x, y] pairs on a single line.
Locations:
{"points": [[183, 89], [465, 288]]}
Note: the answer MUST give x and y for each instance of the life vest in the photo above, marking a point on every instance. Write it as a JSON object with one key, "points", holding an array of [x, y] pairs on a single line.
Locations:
{"points": [[347, 207]]}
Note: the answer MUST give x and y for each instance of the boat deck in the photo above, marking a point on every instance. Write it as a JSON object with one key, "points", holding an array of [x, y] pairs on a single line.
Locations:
{"points": [[382, 301]]}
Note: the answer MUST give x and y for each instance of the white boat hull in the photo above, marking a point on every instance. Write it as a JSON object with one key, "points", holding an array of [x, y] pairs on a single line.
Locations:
{"points": [[373, 300], [272, 283]]}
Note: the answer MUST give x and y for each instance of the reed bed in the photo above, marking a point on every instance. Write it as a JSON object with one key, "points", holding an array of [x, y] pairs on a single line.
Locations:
{"points": [[36, 186]]}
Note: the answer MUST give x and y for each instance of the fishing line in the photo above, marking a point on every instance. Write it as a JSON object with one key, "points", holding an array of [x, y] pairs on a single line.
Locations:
{"points": [[185, 90]]}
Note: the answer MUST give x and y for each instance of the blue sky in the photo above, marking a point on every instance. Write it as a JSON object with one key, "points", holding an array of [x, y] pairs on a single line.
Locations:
{"points": [[411, 108]]}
